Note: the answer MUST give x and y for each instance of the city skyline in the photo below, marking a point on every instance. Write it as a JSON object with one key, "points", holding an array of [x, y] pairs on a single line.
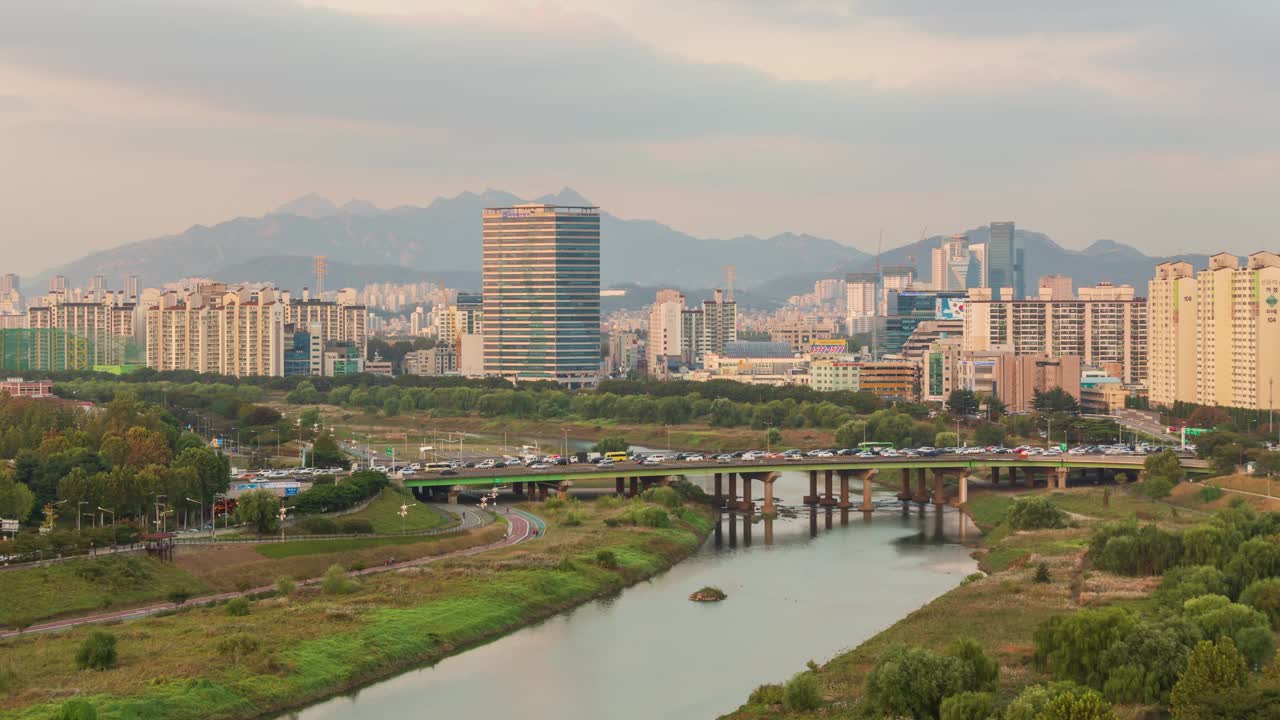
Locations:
{"points": [[1089, 121]]}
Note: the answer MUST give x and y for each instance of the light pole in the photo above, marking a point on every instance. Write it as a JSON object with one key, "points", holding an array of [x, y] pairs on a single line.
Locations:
{"points": [[104, 510], [958, 431], [159, 511], [201, 504], [283, 512], [404, 512], [79, 512], [768, 438]]}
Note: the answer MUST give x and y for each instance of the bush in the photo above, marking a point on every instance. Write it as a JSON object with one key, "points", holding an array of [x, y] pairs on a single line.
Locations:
{"points": [[665, 496], [1209, 493], [608, 502], [1182, 583], [912, 682], [978, 672], [1157, 488], [972, 578], [572, 518], [1035, 513], [356, 526], [766, 695], [238, 607], [319, 526], [1077, 705], [97, 651], [285, 586], [607, 558], [335, 581], [969, 706], [178, 597], [552, 503], [77, 710], [1126, 549], [801, 692], [1042, 575], [237, 646]]}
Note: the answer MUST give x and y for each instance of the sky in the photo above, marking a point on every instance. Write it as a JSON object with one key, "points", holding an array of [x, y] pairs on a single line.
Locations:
{"points": [[1152, 123]]}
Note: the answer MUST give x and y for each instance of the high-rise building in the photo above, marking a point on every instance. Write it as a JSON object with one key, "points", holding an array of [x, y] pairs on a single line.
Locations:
{"points": [[1215, 338], [910, 308], [977, 277], [97, 330], [463, 317], [417, 322], [541, 276], [1106, 326], [893, 280], [340, 320], [719, 325], [10, 282], [131, 288], [951, 264], [228, 331], [1054, 287], [1004, 260], [860, 302], [666, 332]]}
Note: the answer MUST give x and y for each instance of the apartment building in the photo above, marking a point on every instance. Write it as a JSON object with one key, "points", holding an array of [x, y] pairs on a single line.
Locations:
{"points": [[215, 329], [91, 329]]}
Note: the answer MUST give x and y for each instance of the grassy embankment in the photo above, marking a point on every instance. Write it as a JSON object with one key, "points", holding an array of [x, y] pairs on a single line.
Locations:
{"points": [[1002, 610], [295, 649], [384, 513]]}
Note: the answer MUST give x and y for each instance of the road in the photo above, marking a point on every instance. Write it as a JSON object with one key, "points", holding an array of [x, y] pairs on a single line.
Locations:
{"points": [[522, 526], [1146, 422]]}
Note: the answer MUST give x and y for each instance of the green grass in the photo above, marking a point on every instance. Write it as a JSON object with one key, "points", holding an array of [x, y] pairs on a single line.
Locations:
{"points": [[276, 551], [30, 595], [384, 511], [1015, 547], [988, 510]]}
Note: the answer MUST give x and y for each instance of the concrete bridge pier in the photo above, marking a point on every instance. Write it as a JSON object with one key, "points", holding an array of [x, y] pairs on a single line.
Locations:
{"points": [[829, 512], [517, 488], [747, 504], [844, 503], [995, 475], [905, 495], [454, 492], [813, 521], [732, 501], [939, 497], [542, 492], [768, 529], [1062, 478], [634, 486], [768, 509], [620, 487], [531, 489], [812, 497], [718, 498], [964, 489], [922, 489], [828, 497], [1013, 475], [867, 506], [562, 489]]}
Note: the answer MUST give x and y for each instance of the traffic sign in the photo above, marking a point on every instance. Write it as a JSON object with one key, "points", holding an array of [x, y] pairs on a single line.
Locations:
{"points": [[391, 451], [8, 526]]}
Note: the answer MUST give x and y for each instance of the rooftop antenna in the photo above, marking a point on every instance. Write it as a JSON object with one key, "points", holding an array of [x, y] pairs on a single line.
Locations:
{"points": [[321, 264], [730, 273]]}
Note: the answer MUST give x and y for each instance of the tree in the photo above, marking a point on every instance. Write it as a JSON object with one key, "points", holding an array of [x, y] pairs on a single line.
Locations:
{"points": [[1035, 512], [1211, 668], [979, 671], [611, 443], [851, 433], [97, 651], [326, 453], [912, 682], [946, 439], [962, 402], [1077, 705], [1208, 417], [995, 406], [259, 509], [16, 499], [773, 436], [989, 434], [1164, 465], [1055, 400], [1264, 595], [212, 470]]}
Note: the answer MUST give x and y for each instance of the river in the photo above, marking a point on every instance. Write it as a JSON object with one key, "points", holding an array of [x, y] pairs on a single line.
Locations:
{"points": [[650, 652]]}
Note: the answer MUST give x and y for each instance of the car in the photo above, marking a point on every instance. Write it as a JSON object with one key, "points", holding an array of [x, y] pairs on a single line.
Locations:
{"points": [[724, 458], [486, 464], [751, 455], [653, 460], [448, 471], [605, 463], [539, 466], [694, 457]]}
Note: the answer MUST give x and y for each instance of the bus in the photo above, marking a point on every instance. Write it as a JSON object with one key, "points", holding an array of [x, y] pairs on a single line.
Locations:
{"points": [[617, 456], [875, 447]]}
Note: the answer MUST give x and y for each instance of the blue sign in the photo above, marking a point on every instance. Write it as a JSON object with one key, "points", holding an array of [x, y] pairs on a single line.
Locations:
{"points": [[290, 491]]}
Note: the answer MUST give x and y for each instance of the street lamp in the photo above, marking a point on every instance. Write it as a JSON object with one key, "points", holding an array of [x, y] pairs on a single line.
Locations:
{"points": [[104, 510], [79, 513], [283, 512], [768, 438], [404, 512], [201, 504]]}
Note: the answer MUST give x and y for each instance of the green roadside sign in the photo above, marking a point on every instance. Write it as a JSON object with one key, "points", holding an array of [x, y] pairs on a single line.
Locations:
{"points": [[391, 451]]}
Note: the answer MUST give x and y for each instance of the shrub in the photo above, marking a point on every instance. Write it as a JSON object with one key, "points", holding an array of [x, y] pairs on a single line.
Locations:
{"points": [[612, 521], [237, 646], [978, 672], [285, 586], [97, 651], [911, 682], [665, 496], [1211, 668], [178, 597], [766, 695], [969, 706], [1264, 595], [572, 518], [77, 709], [1157, 488], [335, 581], [1209, 493], [553, 503], [607, 558], [1077, 705], [356, 526], [972, 578], [238, 607], [608, 502], [1036, 513], [1182, 583], [1126, 549], [1042, 574], [319, 526], [801, 692]]}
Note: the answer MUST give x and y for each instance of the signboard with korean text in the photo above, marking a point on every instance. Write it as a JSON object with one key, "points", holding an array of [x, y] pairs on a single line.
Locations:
{"points": [[828, 347]]}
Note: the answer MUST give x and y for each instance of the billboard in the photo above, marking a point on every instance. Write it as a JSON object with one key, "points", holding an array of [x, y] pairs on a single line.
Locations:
{"points": [[828, 347], [950, 308]]}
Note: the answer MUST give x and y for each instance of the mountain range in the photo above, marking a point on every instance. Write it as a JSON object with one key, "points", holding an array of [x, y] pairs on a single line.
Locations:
{"points": [[441, 242]]}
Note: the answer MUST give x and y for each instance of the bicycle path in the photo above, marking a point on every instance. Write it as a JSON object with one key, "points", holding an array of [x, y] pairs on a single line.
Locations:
{"points": [[521, 527]]}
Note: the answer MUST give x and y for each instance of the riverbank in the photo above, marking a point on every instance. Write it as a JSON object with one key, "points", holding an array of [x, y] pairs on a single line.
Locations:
{"points": [[1002, 609], [292, 650]]}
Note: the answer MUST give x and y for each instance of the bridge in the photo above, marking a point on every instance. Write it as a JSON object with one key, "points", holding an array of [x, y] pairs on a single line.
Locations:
{"points": [[631, 477]]}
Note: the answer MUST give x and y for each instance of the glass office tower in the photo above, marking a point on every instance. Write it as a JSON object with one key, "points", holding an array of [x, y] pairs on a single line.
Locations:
{"points": [[542, 293]]}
